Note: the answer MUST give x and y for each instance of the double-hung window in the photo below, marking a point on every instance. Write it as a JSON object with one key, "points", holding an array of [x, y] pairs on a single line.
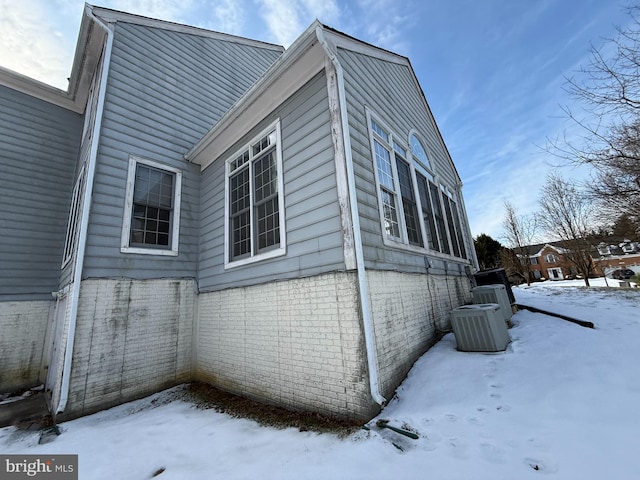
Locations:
{"points": [[254, 201], [152, 209]]}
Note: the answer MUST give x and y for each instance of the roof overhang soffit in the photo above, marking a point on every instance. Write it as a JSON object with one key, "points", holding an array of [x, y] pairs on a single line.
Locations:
{"points": [[88, 49]]}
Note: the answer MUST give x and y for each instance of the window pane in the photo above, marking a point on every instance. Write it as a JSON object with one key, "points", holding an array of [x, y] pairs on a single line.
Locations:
{"points": [[268, 224], [383, 163], [456, 221], [404, 177], [450, 224], [390, 214], [265, 177], [408, 200], [427, 212], [239, 185], [240, 235], [152, 206], [418, 151], [379, 130], [439, 218]]}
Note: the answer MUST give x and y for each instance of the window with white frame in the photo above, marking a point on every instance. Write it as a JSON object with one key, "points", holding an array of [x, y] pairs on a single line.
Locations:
{"points": [[74, 218], [551, 258], [413, 210], [152, 208], [453, 222], [254, 201]]}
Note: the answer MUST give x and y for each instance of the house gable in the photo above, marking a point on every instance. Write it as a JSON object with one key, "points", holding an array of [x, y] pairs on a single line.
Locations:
{"points": [[165, 88]]}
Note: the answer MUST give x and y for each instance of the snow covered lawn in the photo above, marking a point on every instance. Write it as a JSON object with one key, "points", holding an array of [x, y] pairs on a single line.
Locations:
{"points": [[562, 402]]}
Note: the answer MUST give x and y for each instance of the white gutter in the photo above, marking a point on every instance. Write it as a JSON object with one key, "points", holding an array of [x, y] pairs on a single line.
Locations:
{"points": [[369, 333], [84, 220]]}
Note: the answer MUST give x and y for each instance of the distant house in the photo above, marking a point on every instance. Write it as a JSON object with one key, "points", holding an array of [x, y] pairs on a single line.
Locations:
{"points": [[547, 261], [617, 253], [285, 225]]}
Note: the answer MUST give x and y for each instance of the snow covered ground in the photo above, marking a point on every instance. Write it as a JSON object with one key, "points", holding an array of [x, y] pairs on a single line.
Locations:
{"points": [[562, 402]]}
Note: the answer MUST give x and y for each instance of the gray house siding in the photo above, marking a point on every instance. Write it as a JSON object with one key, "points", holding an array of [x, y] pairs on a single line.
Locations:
{"points": [[38, 152], [314, 236], [389, 91], [165, 90]]}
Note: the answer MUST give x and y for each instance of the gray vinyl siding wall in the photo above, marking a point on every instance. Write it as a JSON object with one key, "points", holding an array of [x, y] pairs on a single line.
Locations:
{"points": [[314, 238], [38, 152], [165, 90], [389, 91]]}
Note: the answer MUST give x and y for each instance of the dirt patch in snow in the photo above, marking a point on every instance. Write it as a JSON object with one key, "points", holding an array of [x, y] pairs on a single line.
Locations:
{"points": [[206, 396]]}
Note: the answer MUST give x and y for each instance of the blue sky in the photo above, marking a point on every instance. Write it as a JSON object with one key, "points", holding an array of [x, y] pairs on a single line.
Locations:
{"points": [[492, 70]]}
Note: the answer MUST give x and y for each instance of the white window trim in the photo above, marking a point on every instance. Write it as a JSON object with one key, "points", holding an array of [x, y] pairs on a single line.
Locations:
{"points": [[403, 242], [71, 238], [128, 207], [388, 239], [414, 133], [275, 252]]}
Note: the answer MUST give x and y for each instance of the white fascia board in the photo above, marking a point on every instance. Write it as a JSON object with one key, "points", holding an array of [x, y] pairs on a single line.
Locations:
{"points": [[297, 65], [34, 88], [340, 40], [112, 16], [88, 49]]}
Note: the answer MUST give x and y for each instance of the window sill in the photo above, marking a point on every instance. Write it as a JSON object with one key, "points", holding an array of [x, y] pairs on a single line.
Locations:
{"points": [[256, 258], [423, 251], [149, 251]]}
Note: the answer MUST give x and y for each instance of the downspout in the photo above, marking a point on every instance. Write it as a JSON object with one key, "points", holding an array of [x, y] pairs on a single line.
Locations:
{"points": [[369, 334], [84, 220]]}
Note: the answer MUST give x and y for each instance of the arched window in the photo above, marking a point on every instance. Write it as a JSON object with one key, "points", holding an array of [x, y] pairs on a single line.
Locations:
{"points": [[418, 150]]}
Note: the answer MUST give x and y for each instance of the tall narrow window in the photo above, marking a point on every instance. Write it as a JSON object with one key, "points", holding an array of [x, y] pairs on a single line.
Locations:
{"points": [[152, 209], [254, 201], [387, 190], [408, 197], [427, 212], [74, 218], [458, 226], [439, 217], [450, 223]]}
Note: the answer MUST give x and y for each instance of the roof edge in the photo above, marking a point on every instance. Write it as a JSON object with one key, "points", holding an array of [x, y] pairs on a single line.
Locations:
{"points": [[112, 16], [277, 69]]}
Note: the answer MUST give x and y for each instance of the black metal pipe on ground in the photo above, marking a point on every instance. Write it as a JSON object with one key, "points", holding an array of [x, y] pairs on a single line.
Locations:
{"points": [[582, 323]]}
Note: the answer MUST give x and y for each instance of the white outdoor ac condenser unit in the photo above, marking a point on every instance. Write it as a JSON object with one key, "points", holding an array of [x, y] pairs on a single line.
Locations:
{"points": [[493, 294], [480, 328]]}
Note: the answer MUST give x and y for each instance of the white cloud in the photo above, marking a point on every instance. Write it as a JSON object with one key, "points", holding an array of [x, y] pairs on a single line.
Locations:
{"points": [[230, 16], [31, 42], [281, 17], [286, 19], [386, 23], [326, 11], [171, 10]]}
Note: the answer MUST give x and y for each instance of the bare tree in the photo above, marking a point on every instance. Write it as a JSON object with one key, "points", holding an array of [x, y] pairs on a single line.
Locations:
{"points": [[519, 232], [567, 215], [608, 89]]}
